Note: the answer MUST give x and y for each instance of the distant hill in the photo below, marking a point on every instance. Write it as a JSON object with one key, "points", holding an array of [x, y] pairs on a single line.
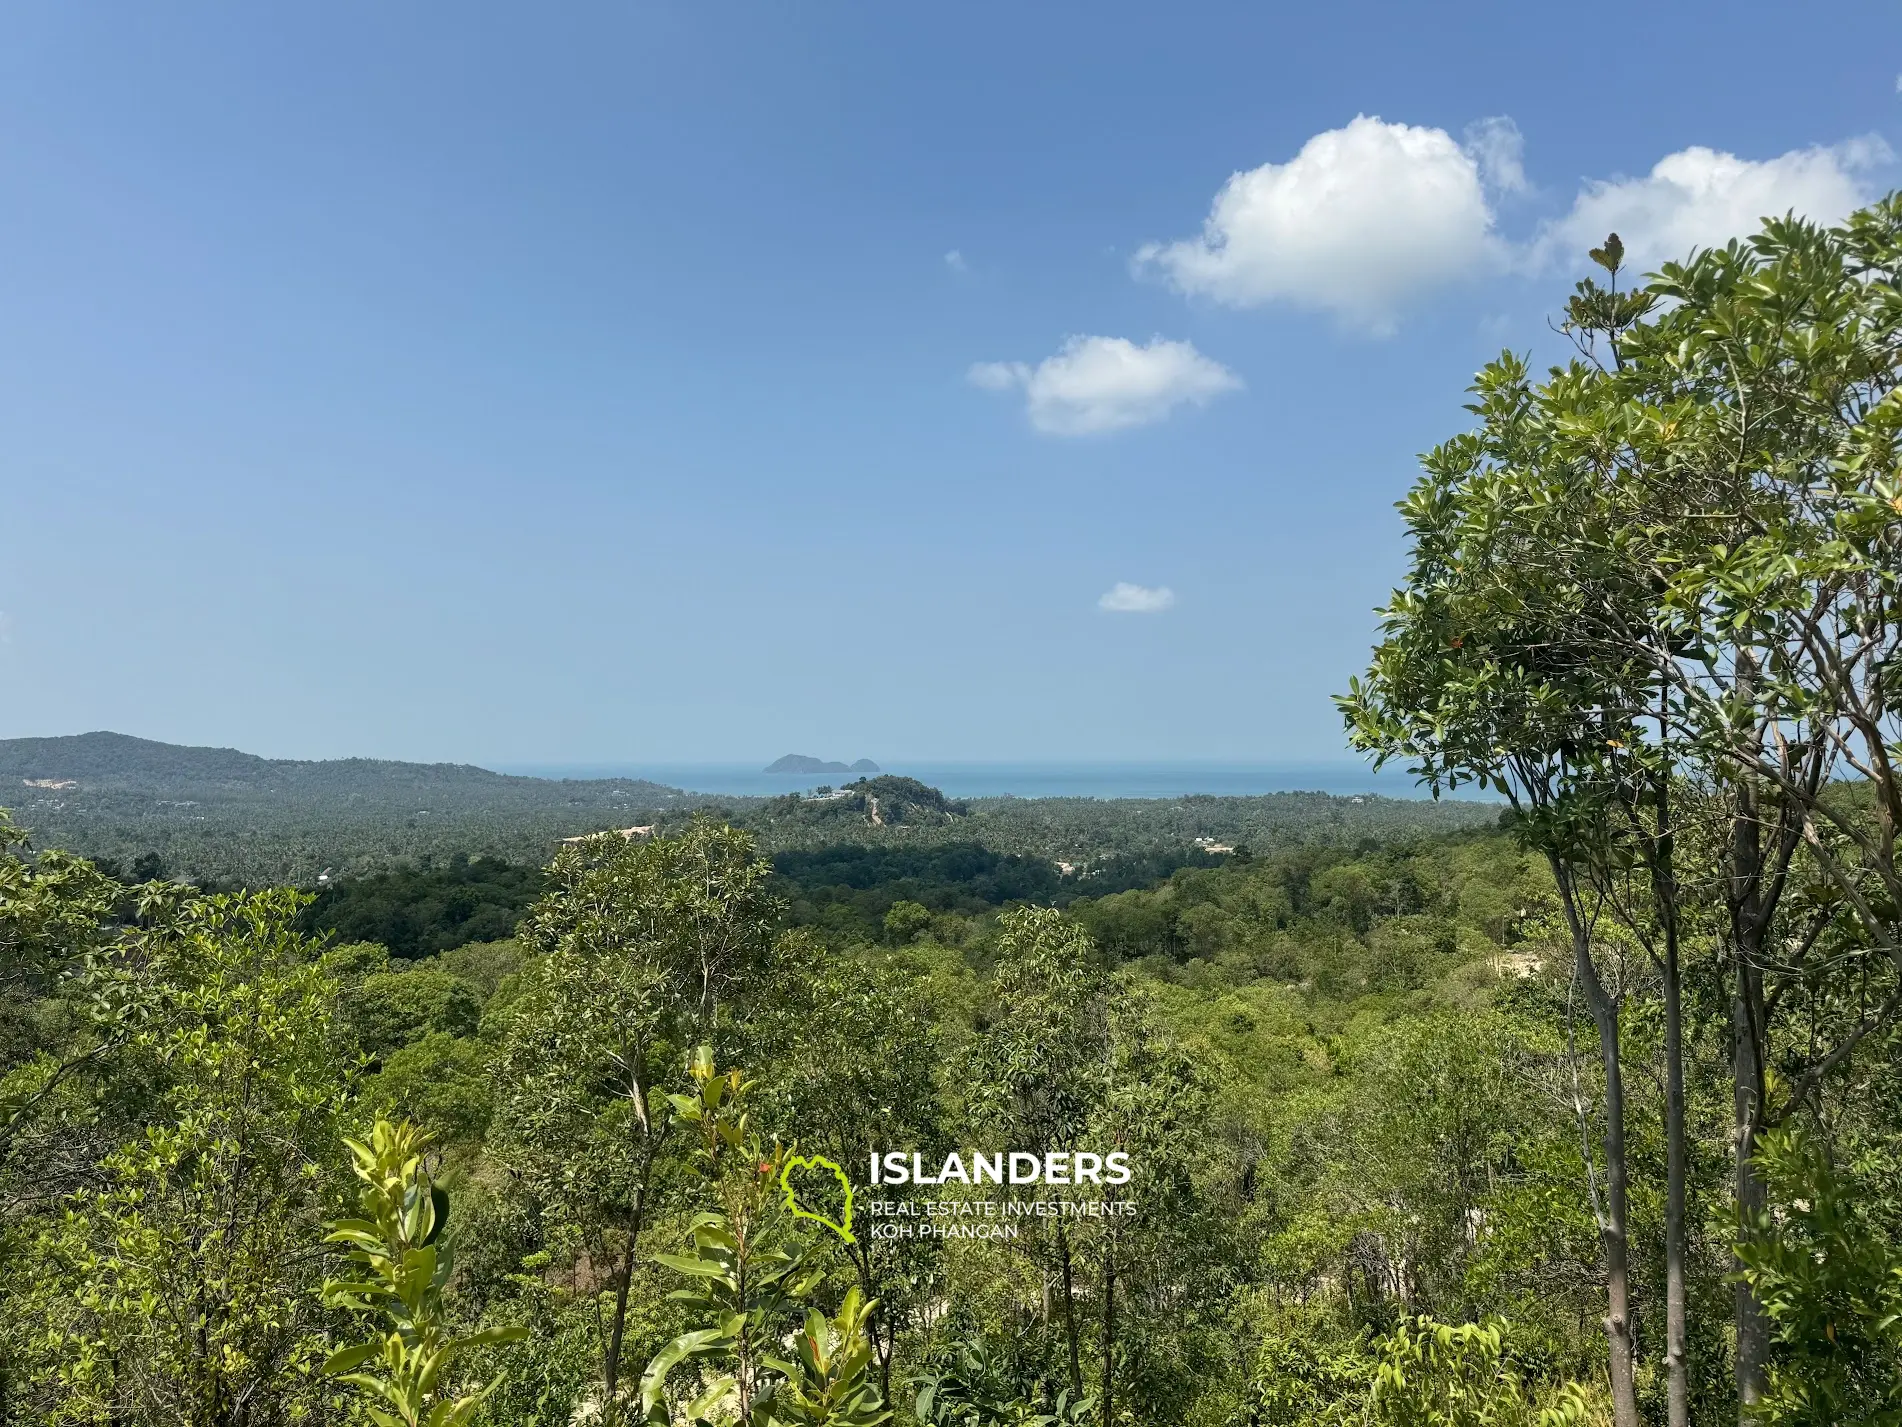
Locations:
{"points": [[806, 766], [231, 815], [235, 818], [119, 762]]}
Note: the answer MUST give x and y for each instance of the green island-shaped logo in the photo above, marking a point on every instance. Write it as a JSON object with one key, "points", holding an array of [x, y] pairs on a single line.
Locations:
{"points": [[844, 1230]]}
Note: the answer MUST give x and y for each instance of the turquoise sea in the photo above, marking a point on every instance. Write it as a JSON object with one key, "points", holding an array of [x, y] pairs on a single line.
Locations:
{"points": [[1020, 780]]}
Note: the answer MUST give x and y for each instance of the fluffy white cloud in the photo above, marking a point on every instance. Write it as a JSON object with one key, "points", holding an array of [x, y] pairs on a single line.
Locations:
{"points": [[1125, 598], [1699, 197], [1096, 384], [1363, 218], [1499, 149], [1369, 215]]}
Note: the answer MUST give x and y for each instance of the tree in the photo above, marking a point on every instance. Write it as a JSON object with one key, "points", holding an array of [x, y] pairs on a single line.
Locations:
{"points": [[1761, 411], [1828, 1273], [1163, 1273], [1037, 1072], [850, 1060], [1433, 1374], [750, 1269], [639, 942], [1676, 561], [905, 920], [1481, 677], [54, 909], [183, 1286], [409, 1372]]}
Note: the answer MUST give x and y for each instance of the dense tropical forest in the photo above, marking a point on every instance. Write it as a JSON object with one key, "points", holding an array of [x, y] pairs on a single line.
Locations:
{"points": [[217, 815], [1580, 1106]]}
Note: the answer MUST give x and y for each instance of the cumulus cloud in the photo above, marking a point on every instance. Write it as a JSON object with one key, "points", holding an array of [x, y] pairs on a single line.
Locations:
{"points": [[1699, 197], [1499, 149], [955, 261], [1095, 384], [1371, 215], [1125, 598], [1362, 219]]}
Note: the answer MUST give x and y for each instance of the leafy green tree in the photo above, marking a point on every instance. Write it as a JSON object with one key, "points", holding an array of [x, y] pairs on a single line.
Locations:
{"points": [[1304, 1378], [1481, 677], [972, 1391], [748, 1271], [391, 1009], [407, 1375], [1164, 1274], [1770, 377], [1829, 1276], [851, 1060], [54, 910], [183, 1289], [1433, 1374], [827, 1382], [1038, 1067], [639, 942], [905, 920], [1675, 559], [442, 1082]]}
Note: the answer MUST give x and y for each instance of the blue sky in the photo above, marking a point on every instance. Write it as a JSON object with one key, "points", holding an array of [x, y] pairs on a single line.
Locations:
{"points": [[676, 382]]}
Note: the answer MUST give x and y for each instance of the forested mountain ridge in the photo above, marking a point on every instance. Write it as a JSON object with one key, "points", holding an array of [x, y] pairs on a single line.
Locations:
{"points": [[228, 816], [121, 763]]}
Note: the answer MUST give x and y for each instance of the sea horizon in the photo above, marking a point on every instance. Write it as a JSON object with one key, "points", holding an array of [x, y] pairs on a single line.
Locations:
{"points": [[1020, 778]]}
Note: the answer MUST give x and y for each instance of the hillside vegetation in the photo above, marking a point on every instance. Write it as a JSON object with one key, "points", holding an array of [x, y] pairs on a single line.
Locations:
{"points": [[1250, 1007], [232, 818]]}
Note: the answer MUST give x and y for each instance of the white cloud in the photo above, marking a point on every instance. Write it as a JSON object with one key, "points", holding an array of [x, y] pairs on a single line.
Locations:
{"points": [[1499, 149], [1699, 197], [1359, 221], [955, 261], [1125, 598], [1096, 384]]}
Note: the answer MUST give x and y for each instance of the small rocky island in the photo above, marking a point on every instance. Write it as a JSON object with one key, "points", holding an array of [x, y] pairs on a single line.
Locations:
{"points": [[804, 766]]}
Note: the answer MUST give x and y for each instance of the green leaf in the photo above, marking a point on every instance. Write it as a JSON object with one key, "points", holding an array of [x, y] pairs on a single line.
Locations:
{"points": [[346, 1358]]}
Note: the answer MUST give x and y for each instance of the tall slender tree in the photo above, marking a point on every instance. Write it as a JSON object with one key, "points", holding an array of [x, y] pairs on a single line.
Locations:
{"points": [[1673, 564], [640, 942]]}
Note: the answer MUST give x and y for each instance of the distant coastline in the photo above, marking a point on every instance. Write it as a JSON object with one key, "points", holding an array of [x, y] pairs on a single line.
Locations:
{"points": [[1026, 779]]}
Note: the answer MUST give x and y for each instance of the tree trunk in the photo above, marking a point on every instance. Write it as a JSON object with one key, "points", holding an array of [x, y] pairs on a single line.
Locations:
{"points": [[1615, 1232], [1753, 1325], [1109, 1337], [1747, 933], [1663, 862], [1069, 1316], [1676, 1365], [1613, 1216], [611, 1373], [883, 1345], [624, 1278]]}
